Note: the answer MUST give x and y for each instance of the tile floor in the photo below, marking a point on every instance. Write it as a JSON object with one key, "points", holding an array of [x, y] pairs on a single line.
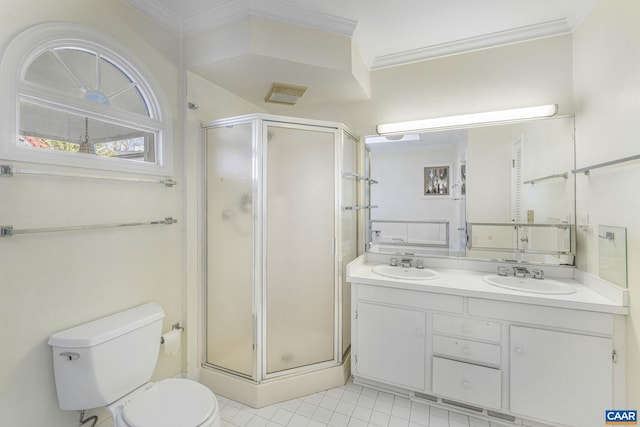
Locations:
{"points": [[348, 406]]}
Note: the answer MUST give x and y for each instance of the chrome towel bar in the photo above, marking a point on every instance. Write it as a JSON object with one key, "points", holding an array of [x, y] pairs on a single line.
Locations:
{"points": [[9, 231], [544, 178], [9, 171], [587, 170]]}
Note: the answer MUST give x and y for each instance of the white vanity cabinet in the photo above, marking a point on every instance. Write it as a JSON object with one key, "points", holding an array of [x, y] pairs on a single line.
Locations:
{"points": [[560, 376], [390, 334], [515, 361], [391, 345]]}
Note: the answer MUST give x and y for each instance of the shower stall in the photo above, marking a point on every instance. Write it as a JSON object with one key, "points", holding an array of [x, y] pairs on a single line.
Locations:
{"points": [[280, 225]]}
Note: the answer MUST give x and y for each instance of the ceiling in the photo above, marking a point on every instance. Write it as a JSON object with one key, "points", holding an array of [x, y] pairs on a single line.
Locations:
{"points": [[386, 32], [384, 29]]}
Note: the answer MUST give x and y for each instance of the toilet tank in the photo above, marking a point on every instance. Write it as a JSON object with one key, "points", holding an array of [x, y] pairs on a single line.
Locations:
{"points": [[98, 362]]}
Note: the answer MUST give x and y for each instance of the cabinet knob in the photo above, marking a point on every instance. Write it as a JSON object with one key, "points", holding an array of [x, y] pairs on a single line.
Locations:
{"points": [[466, 385], [466, 329], [419, 332], [519, 351], [465, 350]]}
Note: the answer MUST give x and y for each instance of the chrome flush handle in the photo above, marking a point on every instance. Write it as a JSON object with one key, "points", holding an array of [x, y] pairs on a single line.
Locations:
{"points": [[70, 355]]}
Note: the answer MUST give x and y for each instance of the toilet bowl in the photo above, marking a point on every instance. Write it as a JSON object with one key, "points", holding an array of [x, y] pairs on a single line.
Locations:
{"points": [[167, 403], [109, 362]]}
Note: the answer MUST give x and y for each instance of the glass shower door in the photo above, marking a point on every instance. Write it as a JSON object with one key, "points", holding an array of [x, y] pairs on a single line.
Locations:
{"points": [[300, 282], [349, 228], [230, 268]]}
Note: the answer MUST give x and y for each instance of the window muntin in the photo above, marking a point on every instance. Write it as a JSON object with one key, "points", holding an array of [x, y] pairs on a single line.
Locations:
{"points": [[79, 75]]}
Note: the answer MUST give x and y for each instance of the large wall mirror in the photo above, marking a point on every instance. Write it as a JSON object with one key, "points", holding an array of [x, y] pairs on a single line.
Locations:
{"points": [[501, 192]]}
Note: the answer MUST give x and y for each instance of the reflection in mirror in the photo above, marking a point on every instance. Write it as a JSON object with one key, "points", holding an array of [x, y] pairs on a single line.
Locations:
{"points": [[612, 254], [507, 193]]}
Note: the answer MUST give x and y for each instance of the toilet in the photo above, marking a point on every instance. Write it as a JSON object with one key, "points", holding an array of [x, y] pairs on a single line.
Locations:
{"points": [[109, 362]]}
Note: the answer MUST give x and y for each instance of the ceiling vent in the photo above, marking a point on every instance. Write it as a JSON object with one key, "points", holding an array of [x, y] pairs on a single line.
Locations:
{"points": [[282, 93]]}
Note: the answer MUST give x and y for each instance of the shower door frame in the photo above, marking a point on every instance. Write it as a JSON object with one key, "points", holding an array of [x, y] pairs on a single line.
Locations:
{"points": [[256, 239], [259, 124], [261, 319]]}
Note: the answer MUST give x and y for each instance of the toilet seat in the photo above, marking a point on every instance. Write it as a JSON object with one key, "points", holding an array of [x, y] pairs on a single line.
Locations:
{"points": [[170, 403]]}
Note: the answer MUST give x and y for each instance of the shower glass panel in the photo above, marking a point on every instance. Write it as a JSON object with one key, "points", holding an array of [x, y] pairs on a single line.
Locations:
{"points": [[230, 249], [349, 228], [300, 294], [280, 224]]}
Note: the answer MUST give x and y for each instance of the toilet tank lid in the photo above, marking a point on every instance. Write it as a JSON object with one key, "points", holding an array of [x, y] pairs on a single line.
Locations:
{"points": [[106, 328]]}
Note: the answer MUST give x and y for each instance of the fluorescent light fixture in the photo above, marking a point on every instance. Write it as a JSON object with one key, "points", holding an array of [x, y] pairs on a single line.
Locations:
{"points": [[376, 139], [468, 120]]}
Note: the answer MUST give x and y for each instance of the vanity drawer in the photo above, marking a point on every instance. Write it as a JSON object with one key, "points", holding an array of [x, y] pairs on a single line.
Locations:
{"points": [[468, 328], [465, 349], [406, 298], [468, 383], [579, 320]]}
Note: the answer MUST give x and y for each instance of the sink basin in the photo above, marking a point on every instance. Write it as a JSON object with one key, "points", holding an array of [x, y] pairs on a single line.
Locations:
{"points": [[405, 273], [527, 284]]}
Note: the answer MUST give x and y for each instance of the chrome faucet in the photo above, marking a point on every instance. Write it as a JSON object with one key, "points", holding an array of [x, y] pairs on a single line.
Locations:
{"points": [[406, 262], [520, 271], [503, 271], [537, 274], [398, 239]]}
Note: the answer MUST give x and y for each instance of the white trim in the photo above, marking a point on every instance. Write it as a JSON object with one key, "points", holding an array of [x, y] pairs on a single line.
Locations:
{"points": [[273, 10], [35, 40], [526, 33], [286, 12], [289, 13]]}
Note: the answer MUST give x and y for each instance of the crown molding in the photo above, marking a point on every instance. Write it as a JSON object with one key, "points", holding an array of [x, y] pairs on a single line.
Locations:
{"points": [[285, 11], [529, 32], [158, 13], [273, 10]]}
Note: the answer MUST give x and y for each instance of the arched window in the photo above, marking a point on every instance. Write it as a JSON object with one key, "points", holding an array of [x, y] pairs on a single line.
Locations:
{"points": [[78, 100]]}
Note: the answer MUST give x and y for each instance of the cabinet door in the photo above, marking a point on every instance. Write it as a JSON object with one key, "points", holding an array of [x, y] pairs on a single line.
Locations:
{"points": [[390, 345], [560, 377]]}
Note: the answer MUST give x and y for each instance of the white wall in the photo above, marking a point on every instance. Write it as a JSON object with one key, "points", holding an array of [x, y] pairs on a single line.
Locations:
{"points": [[607, 93], [523, 74], [49, 282]]}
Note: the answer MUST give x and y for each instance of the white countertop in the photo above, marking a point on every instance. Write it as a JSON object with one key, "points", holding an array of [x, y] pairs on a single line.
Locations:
{"points": [[469, 283]]}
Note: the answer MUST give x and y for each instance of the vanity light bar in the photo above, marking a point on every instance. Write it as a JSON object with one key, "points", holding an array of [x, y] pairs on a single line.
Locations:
{"points": [[467, 120]]}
